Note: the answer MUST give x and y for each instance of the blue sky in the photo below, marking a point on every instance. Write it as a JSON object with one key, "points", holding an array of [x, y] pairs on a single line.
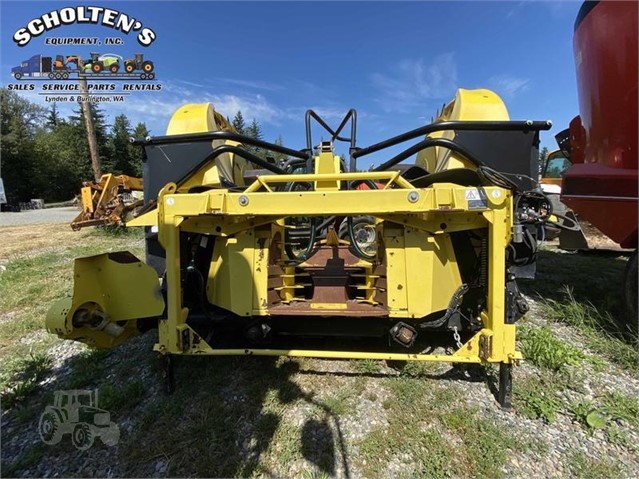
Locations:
{"points": [[396, 63]]}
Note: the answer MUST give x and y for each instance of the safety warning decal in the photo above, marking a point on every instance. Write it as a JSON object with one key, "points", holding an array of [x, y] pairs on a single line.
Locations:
{"points": [[476, 199]]}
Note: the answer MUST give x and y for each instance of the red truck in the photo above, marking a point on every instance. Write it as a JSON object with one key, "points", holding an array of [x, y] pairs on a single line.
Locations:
{"points": [[601, 185]]}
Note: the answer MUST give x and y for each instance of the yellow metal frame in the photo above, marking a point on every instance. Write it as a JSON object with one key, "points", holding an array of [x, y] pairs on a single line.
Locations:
{"points": [[221, 212]]}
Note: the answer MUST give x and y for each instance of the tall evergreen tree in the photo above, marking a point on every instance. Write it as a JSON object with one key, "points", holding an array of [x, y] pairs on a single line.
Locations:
{"points": [[19, 120], [53, 117], [100, 126], [254, 130], [279, 157], [238, 123], [137, 152], [119, 142]]}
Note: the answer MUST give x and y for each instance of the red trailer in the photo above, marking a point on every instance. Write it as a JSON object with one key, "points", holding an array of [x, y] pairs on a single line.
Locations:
{"points": [[601, 186]]}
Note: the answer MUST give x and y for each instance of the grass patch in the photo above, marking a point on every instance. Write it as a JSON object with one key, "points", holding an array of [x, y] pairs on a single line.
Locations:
{"points": [[21, 378], [536, 397], [543, 349], [585, 467], [620, 437], [112, 231], [86, 368], [584, 290], [114, 398], [340, 403], [485, 442], [425, 425], [620, 406], [601, 332], [428, 449], [366, 366], [586, 413]]}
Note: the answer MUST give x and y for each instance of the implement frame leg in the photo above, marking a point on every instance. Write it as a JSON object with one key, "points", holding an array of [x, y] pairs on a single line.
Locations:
{"points": [[505, 386]]}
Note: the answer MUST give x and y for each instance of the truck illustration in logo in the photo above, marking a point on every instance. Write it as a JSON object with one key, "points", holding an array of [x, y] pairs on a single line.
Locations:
{"points": [[103, 66], [77, 412]]}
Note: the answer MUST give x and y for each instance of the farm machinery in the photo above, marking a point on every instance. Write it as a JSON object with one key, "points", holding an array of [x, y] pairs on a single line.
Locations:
{"points": [[138, 63], [107, 202], [601, 142], [245, 257], [97, 63]]}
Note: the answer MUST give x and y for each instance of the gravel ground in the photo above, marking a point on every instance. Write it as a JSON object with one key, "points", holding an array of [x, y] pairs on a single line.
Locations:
{"points": [[39, 217], [320, 379], [344, 401]]}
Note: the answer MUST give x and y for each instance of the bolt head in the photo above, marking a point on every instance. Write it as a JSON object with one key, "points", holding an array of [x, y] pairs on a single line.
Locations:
{"points": [[243, 200], [413, 196]]}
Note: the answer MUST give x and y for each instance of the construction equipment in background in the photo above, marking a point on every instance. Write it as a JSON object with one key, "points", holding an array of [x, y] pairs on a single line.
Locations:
{"points": [[252, 263], [601, 142], [108, 202], [138, 63]]}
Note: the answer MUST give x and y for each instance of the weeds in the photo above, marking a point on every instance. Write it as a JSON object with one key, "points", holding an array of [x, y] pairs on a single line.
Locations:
{"points": [[86, 367], [543, 349], [603, 334], [21, 379], [536, 398], [585, 467], [587, 414], [120, 397], [113, 231], [620, 406], [366, 366]]}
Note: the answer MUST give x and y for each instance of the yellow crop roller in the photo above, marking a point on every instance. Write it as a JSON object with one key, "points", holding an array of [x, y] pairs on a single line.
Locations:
{"points": [[415, 259]]}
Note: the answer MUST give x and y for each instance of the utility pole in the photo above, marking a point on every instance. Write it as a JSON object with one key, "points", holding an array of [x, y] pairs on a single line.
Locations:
{"points": [[88, 122]]}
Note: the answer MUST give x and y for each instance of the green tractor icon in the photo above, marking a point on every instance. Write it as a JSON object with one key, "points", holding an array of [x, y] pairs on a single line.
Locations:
{"points": [[98, 63], [76, 412]]}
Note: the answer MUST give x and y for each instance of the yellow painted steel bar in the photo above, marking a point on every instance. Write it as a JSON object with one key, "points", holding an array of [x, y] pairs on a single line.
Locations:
{"points": [[351, 202], [304, 353], [392, 176], [503, 339]]}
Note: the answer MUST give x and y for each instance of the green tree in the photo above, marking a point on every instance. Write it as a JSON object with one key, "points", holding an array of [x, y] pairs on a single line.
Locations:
{"points": [[53, 117], [100, 126], [279, 157], [543, 156], [238, 123], [63, 161], [137, 152], [19, 120], [254, 131], [124, 161]]}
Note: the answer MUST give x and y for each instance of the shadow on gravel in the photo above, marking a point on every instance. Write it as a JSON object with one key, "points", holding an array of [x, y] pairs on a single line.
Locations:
{"points": [[235, 407]]}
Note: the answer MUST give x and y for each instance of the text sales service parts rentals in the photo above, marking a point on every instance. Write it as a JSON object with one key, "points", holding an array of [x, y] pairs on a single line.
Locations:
{"points": [[84, 14]]}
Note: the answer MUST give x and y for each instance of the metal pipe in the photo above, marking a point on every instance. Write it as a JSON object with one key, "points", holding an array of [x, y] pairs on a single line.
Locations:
{"points": [[244, 154], [455, 126], [218, 135], [429, 143]]}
